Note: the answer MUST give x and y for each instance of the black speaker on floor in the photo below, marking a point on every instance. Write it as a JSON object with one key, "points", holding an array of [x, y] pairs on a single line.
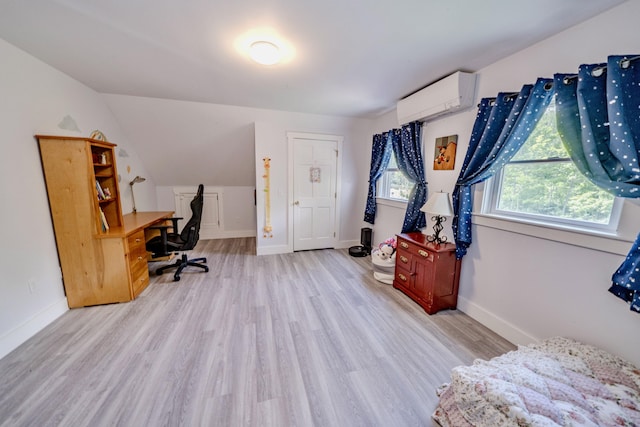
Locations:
{"points": [[365, 241]]}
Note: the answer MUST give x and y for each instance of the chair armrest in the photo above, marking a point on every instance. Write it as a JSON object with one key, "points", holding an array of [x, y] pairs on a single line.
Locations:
{"points": [[166, 245], [174, 225]]}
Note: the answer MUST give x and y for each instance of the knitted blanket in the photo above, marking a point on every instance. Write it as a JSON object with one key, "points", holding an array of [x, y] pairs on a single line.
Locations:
{"points": [[559, 382]]}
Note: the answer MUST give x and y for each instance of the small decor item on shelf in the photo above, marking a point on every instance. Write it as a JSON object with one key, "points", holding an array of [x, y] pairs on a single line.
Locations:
{"points": [[98, 136]]}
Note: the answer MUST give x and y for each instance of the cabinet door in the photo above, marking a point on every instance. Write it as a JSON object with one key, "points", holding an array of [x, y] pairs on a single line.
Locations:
{"points": [[424, 270]]}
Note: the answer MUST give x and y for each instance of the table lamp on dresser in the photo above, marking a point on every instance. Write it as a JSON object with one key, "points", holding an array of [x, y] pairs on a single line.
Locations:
{"points": [[439, 207]]}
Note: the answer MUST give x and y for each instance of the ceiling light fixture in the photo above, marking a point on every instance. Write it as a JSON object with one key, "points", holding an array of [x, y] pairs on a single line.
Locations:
{"points": [[264, 52]]}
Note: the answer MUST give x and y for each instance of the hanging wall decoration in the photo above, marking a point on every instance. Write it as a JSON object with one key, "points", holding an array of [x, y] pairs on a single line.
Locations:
{"points": [[444, 157], [267, 229], [314, 174]]}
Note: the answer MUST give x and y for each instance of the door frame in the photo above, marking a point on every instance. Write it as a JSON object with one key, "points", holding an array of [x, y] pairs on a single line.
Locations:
{"points": [[291, 137]]}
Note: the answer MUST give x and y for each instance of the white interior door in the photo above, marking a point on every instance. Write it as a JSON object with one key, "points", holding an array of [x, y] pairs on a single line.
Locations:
{"points": [[314, 193]]}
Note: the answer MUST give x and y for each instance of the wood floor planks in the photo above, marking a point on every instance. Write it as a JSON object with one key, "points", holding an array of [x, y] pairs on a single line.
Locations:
{"points": [[302, 339]]}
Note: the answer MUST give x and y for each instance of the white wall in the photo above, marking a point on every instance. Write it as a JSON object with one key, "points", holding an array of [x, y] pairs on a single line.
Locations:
{"points": [[271, 141], [187, 143], [35, 100], [525, 287], [237, 216]]}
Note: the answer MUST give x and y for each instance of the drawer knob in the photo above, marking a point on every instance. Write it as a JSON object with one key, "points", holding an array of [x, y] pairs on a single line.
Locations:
{"points": [[402, 277], [404, 259], [404, 245], [138, 240], [423, 253], [139, 258]]}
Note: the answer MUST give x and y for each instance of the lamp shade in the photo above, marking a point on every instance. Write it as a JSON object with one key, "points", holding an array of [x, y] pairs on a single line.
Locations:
{"points": [[438, 204]]}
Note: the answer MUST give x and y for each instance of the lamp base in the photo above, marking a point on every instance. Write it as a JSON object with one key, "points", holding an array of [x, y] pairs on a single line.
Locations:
{"points": [[437, 228]]}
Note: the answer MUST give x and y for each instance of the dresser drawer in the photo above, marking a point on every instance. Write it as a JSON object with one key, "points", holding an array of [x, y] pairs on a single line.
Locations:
{"points": [[140, 281], [403, 277], [136, 241], [403, 259], [409, 249], [138, 267]]}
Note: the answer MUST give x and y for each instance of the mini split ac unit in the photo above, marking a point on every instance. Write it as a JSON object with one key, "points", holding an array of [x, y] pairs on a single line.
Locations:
{"points": [[452, 93]]}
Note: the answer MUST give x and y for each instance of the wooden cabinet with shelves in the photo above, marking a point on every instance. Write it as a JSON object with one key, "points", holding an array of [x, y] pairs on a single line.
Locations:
{"points": [[99, 265], [428, 273]]}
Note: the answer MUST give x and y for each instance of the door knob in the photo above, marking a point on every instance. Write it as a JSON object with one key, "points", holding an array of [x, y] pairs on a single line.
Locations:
{"points": [[297, 202]]}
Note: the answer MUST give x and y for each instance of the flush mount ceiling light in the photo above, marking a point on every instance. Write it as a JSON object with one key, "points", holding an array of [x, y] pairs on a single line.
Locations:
{"points": [[264, 46], [264, 52]]}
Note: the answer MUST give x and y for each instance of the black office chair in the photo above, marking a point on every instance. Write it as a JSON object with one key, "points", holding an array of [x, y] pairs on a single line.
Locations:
{"points": [[170, 242]]}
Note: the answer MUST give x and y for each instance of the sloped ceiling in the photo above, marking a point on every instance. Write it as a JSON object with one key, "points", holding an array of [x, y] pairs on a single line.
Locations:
{"points": [[352, 57]]}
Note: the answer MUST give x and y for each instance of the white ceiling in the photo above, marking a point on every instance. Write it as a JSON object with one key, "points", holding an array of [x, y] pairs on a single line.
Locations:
{"points": [[352, 57]]}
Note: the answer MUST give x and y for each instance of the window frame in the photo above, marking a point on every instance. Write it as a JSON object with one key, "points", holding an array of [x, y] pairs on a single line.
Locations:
{"points": [[494, 190], [383, 186]]}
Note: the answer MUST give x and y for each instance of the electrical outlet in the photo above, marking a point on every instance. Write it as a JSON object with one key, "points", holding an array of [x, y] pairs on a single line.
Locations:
{"points": [[32, 285]]}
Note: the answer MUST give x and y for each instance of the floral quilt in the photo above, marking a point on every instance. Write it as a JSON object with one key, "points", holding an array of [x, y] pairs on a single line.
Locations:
{"points": [[559, 382]]}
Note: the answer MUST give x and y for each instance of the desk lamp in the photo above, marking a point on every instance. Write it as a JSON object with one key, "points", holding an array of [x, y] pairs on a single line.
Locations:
{"points": [[136, 180], [439, 206]]}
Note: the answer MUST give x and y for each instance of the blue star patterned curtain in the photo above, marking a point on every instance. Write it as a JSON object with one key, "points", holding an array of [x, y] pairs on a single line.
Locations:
{"points": [[598, 119], [380, 155], [407, 147], [502, 125]]}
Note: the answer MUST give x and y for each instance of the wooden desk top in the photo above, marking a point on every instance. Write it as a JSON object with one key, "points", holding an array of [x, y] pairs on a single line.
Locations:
{"points": [[141, 220], [133, 222]]}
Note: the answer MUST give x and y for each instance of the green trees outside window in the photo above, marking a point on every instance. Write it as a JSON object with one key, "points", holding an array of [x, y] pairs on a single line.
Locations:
{"points": [[542, 180]]}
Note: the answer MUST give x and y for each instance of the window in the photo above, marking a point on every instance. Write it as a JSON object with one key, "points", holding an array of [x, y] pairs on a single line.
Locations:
{"points": [[542, 183], [393, 184]]}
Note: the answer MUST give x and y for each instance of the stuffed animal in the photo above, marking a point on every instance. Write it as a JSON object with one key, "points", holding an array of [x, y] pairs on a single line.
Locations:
{"points": [[386, 251], [391, 242]]}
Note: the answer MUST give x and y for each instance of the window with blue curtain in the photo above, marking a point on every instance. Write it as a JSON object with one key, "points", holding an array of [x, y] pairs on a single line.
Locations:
{"points": [[380, 154], [598, 115], [406, 146], [502, 125], [598, 120]]}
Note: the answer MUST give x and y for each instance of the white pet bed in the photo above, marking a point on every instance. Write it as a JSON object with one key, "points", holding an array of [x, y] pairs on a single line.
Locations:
{"points": [[383, 269]]}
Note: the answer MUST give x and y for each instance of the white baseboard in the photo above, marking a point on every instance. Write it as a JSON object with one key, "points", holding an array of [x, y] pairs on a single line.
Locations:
{"points": [[343, 244], [283, 249], [496, 324], [15, 337], [273, 250], [230, 234]]}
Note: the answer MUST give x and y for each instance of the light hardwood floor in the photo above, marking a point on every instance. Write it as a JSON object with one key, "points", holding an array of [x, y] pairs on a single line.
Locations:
{"points": [[302, 339]]}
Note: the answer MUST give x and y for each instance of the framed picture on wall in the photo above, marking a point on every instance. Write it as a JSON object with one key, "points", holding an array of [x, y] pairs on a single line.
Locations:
{"points": [[444, 157]]}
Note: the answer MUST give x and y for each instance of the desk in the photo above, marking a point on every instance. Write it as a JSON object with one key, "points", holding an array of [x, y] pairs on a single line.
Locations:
{"points": [[134, 227], [112, 267]]}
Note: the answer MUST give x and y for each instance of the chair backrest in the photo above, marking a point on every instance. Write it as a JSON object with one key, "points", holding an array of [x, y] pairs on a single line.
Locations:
{"points": [[191, 231]]}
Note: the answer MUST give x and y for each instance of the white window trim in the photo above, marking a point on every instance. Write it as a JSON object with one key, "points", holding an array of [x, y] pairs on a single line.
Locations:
{"points": [[394, 203], [608, 241], [490, 207]]}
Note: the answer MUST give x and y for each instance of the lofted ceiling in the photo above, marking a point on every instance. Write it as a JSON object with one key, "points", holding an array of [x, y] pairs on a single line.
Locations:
{"points": [[351, 57]]}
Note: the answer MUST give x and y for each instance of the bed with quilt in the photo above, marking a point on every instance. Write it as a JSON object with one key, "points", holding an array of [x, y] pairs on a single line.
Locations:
{"points": [[559, 382]]}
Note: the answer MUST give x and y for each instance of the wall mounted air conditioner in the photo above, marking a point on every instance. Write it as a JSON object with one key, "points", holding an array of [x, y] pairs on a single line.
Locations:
{"points": [[450, 94]]}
